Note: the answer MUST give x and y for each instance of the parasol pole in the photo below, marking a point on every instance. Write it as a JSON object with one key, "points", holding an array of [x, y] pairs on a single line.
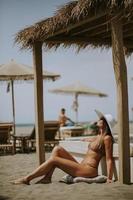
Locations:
{"points": [[76, 106], [13, 105]]}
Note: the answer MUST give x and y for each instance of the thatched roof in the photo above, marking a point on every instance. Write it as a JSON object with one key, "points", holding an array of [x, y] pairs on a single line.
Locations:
{"points": [[81, 23], [16, 71], [78, 88]]}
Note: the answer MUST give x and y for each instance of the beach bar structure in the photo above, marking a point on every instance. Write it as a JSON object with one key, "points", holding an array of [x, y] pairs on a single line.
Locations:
{"points": [[87, 24]]}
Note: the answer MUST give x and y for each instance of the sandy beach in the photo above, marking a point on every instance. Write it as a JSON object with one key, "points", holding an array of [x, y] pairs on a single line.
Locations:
{"points": [[15, 166]]}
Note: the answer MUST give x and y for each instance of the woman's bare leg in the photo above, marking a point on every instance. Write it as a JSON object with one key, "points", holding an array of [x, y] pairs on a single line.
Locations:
{"points": [[46, 166], [39, 171], [74, 168], [71, 167], [58, 151]]}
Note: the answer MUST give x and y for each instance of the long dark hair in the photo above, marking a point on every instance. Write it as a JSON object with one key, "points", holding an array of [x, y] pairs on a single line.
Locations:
{"points": [[108, 131]]}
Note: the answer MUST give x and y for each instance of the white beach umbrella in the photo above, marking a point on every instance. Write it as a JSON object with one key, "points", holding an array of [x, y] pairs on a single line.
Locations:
{"points": [[77, 89], [13, 71]]}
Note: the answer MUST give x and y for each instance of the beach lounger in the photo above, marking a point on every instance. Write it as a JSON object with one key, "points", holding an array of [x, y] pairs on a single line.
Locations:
{"points": [[6, 145], [51, 129], [22, 137], [71, 131]]}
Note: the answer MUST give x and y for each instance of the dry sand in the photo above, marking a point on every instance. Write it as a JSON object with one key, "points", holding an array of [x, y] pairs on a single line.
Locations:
{"points": [[16, 166]]}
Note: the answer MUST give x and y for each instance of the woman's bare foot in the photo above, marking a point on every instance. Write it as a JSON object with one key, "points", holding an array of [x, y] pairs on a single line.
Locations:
{"points": [[21, 181], [44, 181]]}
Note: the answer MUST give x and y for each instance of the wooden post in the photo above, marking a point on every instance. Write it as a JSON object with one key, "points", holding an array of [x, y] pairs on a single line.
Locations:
{"points": [[39, 120], [122, 101]]}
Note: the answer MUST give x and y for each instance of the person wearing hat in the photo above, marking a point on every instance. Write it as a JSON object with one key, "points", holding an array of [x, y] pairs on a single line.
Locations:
{"points": [[101, 145]]}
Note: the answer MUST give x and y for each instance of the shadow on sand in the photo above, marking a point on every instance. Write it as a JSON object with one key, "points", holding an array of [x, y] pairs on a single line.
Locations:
{"points": [[4, 198]]}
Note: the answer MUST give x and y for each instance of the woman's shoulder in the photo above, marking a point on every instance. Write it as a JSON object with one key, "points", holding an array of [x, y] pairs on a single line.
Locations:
{"points": [[107, 138]]}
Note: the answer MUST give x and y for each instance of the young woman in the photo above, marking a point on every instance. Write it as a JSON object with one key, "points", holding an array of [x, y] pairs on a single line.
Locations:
{"points": [[100, 145]]}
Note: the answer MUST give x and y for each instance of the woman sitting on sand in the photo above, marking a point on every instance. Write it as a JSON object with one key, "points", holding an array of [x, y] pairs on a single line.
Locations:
{"points": [[100, 145]]}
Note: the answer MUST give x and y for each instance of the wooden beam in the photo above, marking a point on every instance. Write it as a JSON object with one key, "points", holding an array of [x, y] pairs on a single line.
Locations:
{"points": [[120, 70], [128, 34], [128, 43], [76, 39], [91, 26], [98, 32], [127, 25], [74, 26], [86, 39], [105, 29], [39, 120]]}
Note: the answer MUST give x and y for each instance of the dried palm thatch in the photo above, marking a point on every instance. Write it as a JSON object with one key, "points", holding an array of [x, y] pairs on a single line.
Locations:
{"points": [[82, 23], [14, 71]]}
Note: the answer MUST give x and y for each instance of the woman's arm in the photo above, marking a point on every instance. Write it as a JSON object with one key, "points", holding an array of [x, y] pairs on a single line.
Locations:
{"points": [[109, 157]]}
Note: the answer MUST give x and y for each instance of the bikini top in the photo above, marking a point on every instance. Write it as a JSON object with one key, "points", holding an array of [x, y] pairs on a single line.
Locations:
{"points": [[98, 145]]}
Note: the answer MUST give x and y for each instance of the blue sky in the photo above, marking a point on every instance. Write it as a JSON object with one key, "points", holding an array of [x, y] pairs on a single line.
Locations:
{"points": [[93, 68]]}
